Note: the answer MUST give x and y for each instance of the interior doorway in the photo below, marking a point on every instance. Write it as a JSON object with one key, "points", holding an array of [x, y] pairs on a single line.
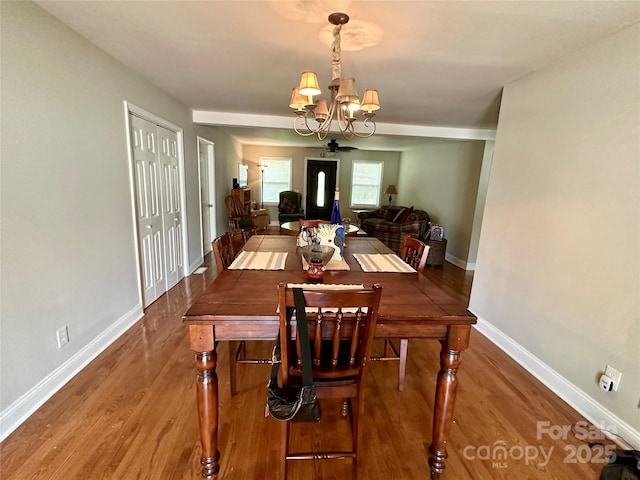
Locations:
{"points": [[320, 186], [206, 173]]}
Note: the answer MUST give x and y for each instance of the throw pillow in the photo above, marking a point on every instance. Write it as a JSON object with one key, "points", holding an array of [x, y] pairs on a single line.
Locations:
{"points": [[406, 214], [389, 213], [398, 216], [287, 206]]}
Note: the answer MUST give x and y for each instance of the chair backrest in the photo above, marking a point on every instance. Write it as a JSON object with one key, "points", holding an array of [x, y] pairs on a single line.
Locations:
{"points": [[311, 223], [342, 325], [289, 202], [223, 251], [234, 206], [414, 252]]}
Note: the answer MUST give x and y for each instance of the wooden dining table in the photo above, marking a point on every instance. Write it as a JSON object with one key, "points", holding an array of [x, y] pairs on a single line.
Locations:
{"points": [[240, 304]]}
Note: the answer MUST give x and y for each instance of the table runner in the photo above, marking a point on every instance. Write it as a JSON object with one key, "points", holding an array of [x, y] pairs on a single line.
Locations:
{"points": [[382, 262], [259, 261]]}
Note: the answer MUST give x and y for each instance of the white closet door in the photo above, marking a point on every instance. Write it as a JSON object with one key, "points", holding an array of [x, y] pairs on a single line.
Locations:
{"points": [[171, 214], [148, 210]]}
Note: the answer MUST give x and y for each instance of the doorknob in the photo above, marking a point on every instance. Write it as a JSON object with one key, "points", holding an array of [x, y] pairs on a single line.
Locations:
{"points": [[210, 205], [149, 227]]}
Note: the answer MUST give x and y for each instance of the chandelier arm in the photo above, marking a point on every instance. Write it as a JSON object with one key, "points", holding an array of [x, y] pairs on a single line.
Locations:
{"points": [[367, 122], [322, 135], [343, 122], [309, 131]]}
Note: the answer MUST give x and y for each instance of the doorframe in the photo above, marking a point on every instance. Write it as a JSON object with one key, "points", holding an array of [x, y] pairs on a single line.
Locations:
{"points": [[211, 167], [132, 109], [304, 178]]}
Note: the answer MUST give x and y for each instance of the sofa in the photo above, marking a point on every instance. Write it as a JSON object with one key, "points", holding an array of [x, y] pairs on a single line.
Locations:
{"points": [[390, 224]]}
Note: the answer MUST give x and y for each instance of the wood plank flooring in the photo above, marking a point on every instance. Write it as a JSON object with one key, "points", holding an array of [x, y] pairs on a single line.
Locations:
{"points": [[131, 414]]}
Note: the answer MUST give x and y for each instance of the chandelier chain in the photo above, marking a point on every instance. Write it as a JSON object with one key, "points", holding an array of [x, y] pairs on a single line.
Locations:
{"points": [[336, 50]]}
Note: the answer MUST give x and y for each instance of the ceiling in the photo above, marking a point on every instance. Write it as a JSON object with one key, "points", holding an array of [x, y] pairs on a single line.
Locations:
{"points": [[435, 63]]}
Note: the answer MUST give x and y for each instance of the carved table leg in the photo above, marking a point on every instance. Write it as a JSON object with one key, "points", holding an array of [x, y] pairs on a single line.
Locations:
{"points": [[202, 341], [207, 394], [447, 384]]}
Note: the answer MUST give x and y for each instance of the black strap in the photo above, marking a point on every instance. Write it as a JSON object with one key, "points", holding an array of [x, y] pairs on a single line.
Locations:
{"points": [[305, 344]]}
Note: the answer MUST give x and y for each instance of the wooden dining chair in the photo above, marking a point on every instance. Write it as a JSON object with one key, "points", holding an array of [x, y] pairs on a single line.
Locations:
{"points": [[224, 255], [341, 330], [240, 222], [223, 251], [414, 252]]}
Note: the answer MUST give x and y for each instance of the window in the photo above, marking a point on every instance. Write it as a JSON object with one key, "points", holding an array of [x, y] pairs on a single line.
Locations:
{"points": [[276, 177], [320, 194], [365, 183]]}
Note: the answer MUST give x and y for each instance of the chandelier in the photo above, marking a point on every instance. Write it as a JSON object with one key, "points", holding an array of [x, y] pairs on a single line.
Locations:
{"points": [[316, 117]]}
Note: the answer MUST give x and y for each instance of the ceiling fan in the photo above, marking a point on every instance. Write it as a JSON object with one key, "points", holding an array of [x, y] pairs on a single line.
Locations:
{"points": [[333, 147]]}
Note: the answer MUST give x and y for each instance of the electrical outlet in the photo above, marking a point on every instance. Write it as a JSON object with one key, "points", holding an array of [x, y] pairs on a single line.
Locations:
{"points": [[63, 336], [614, 375]]}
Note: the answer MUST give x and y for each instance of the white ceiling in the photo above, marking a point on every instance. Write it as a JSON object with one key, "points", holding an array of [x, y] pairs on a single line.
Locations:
{"points": [[438, 63]]}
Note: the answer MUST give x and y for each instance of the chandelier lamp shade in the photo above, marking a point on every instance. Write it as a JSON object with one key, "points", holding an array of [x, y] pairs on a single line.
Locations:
{"points": [[317, 116]]}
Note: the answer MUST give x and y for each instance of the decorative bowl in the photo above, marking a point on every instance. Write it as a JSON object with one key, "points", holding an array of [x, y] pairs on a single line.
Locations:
{"points": [[317, 253]]}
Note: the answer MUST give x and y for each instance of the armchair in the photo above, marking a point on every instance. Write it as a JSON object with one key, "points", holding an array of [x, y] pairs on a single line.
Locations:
{"points": [[290, 207]]}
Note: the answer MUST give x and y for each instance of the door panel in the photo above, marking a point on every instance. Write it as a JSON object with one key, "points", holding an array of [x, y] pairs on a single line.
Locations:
{"points": [[326, 171], [144, 136], [171, 216]]}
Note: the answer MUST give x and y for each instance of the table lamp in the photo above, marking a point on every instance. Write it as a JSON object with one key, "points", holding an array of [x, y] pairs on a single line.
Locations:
{"points": [[391, 190]]}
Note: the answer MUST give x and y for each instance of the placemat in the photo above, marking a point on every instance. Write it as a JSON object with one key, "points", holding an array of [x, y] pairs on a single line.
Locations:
{"points": [[382, 262], [259, 261]]}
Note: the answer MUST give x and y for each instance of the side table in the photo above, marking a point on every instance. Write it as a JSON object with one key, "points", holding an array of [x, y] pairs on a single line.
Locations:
{"points": [[437, 250], [260, 218], [357, 214]]}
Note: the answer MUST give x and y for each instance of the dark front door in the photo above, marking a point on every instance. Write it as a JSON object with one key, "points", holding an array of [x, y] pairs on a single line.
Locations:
{"points": [[321, 187]]}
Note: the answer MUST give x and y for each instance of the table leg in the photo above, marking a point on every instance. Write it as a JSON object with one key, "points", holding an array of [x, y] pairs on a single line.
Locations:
{"points": [[202, 342], [450, 357]]}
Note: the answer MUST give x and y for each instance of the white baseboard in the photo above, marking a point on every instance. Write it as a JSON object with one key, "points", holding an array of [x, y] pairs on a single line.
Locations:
{"points": [[459, 262], [16, 413], [585, 405], [195, 264]]}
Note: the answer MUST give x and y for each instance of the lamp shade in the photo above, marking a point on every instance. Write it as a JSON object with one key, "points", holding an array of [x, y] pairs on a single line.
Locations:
{"points": [[370, 101], [347, 92], [322, 111], [309, 84], [297, 101], [391, 190]]}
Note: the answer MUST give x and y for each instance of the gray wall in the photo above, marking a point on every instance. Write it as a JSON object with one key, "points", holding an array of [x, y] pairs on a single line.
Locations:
{"points": [[251, 155], [558, 270], [442, 177], [68, 243]]}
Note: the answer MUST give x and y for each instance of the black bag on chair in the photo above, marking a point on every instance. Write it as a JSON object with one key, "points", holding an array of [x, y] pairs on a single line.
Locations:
{"points": [[294, 404]]}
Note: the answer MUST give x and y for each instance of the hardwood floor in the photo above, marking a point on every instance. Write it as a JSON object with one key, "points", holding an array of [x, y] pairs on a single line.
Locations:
{"points": [[131, 413]]}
